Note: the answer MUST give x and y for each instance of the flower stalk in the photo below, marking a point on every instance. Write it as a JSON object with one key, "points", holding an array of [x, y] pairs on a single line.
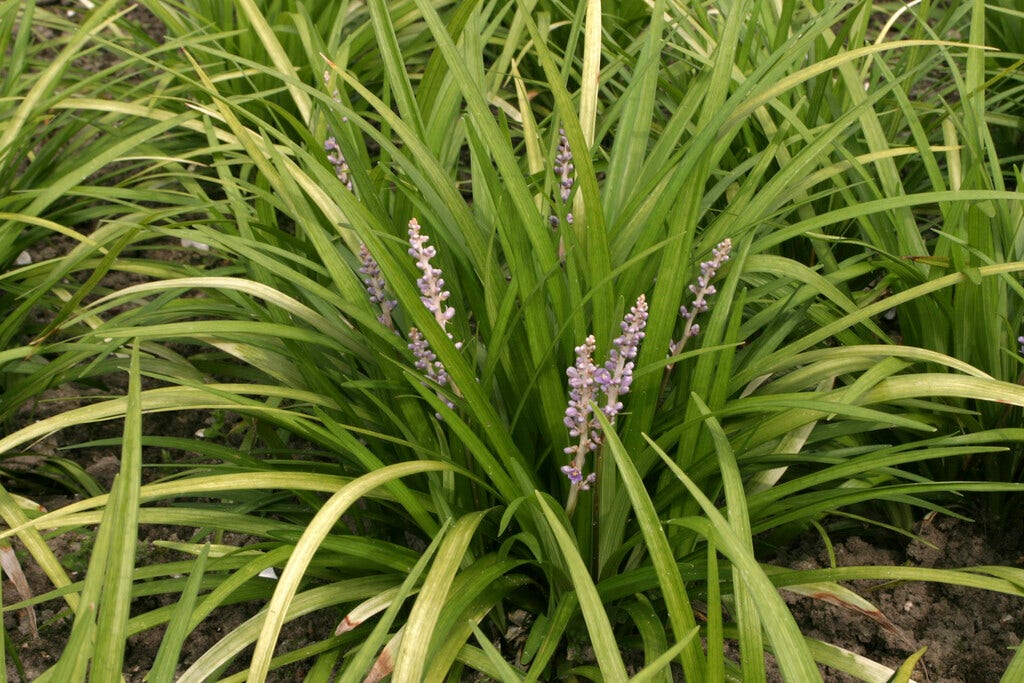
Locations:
{"points": [[579, 416]]}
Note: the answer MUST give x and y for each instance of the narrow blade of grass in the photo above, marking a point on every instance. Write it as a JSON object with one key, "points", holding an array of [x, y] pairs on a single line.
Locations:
{"points": [[307, 546], [419, 628], [165, 663], [677, 600], [606, 648], [116, 598]]}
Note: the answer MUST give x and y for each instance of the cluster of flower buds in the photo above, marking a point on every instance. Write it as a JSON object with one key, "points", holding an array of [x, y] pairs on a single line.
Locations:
{"points": [[579, 416], [431, 284], [334, 153], [433, 295], [566, 172], [617, 375], [427, 363], [337, 160], [586, 380], [701, 290], [375, 284]]}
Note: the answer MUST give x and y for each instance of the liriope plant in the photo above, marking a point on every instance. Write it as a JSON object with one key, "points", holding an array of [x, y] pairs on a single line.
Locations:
{"points": [[466, 411]]}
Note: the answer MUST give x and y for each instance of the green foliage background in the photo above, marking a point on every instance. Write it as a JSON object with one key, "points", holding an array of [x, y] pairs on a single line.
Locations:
{"points": [[859, 363]]}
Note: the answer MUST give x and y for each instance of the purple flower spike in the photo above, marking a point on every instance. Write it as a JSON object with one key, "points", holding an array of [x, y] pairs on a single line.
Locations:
{"points": [[613, 379], [579, 416], [1020, 340], [564, 166], [337, 160], [701, 290], [618, 371], [375, 284], [427, 363], [425, 358], [433, 295], [431, 284], [566, 172], [582, 392], [586, 380]]}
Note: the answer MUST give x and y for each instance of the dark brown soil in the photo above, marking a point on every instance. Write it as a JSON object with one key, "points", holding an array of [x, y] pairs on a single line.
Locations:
{"points": [[971, 634]]}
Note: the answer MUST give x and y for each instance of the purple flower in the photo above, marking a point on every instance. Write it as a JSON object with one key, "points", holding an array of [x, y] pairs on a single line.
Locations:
{"points": [[337, 160], [701, 290], [427, 363], [1020, 340], [564, 166], [375, 284], [431, 284], [577, 479], [586, 380], [433, 295], [617, 375], [582, 392], [566, 172], [426, 360]]}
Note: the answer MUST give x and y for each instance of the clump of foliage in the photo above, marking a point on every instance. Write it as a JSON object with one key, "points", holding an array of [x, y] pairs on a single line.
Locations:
{"points": [[536, 315]]}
